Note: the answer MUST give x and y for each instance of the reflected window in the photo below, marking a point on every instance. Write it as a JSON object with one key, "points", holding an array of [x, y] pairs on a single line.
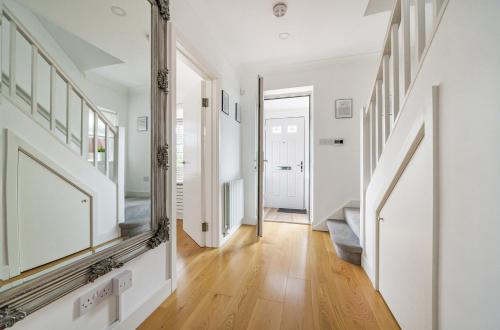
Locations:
{"points": [[291, 129]]}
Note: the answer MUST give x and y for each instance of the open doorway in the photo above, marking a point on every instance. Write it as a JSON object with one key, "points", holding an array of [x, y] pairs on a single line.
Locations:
{"points": [[287, 156], [192, 87]]}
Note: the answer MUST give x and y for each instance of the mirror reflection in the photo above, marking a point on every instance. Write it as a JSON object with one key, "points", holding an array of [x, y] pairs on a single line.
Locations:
{"points": [[75, 131]]}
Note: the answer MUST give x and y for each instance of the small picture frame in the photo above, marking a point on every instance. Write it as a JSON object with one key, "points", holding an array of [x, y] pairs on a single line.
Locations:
{"points": [[225, 102], [142, 124], [237, 112], [343, 108]]}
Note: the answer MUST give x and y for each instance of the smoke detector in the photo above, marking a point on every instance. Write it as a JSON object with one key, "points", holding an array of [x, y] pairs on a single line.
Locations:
{"points": [[279, 9]]}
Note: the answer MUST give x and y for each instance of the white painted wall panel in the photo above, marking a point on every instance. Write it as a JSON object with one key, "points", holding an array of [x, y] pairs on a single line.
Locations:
{"points": [[405, 244], [54, 216]]}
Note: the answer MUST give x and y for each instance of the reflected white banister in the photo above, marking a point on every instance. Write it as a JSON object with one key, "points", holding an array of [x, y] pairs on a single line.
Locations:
{"points": [[29, 100]]}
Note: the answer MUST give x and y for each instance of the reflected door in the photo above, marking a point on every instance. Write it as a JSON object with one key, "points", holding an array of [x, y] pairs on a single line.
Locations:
{"points": [[285, 163]]}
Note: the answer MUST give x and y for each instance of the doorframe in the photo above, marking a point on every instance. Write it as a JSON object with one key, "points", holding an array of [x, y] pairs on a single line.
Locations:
{"points": [[308, 184], [210, 146]]}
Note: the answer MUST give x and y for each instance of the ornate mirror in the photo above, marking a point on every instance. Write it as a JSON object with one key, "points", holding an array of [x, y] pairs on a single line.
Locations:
{"points": [[83, 154]]}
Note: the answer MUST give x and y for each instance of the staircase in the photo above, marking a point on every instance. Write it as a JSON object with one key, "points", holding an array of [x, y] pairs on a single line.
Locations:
{"points": [[345, 236], [137, 216]]}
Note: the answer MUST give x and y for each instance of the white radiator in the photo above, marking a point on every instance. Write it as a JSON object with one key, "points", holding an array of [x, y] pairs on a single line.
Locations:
{"points": [[233, 204]]}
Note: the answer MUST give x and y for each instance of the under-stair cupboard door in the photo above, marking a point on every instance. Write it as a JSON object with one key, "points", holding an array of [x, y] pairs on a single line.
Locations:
{"points": [[406, 244], [44, 198], [260, 157]]}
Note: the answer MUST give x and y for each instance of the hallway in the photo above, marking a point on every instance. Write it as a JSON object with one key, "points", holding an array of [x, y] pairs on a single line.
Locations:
{"points": [[291, 279]]}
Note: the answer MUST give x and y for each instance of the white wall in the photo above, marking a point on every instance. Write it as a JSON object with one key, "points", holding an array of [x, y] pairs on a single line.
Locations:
{"points": [[138, 144], [150, 287], [335, 169], [464, 60]]}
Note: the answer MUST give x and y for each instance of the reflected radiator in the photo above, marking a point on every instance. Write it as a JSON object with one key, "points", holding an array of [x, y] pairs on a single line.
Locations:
{"points": [[233, 204]]}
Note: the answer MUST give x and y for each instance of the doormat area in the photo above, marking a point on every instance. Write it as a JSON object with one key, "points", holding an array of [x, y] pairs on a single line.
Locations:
{"points": [[292, 211]]}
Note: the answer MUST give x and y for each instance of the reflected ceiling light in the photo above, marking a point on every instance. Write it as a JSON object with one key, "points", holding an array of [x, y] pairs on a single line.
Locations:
{"points": [[118, 11], [284, 35]]}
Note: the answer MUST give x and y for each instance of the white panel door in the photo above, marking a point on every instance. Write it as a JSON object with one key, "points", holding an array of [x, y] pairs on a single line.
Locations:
{"points": [[54, 216], [405, 244], [192, 184], [285, 163]]}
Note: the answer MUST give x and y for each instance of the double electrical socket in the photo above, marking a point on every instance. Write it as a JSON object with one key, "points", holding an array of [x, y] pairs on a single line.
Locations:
{"points": [[114, 287]]}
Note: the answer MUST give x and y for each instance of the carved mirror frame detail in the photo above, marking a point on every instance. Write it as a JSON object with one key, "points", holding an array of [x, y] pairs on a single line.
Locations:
{"points": [[26, 298]]}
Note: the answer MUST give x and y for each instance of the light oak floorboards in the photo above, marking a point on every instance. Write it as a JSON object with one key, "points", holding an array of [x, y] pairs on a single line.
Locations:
{"points": [[289, 279]]}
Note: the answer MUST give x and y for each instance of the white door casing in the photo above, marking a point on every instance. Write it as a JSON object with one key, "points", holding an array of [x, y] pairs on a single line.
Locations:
{"points": [[260, 156], [285, 163], [192, 185]]}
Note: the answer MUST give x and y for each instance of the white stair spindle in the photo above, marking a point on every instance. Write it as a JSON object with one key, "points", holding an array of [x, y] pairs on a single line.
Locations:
{"points": [[373, 137], [419, 28], [68, 114], [34, 71], [12, 68], [53, 75], [405, 25], [395, 70], [380, 118], [386, 98]]}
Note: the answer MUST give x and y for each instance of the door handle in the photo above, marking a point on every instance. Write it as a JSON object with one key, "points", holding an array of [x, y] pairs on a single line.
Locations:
{"points": [[301, 164], [285, 168]]}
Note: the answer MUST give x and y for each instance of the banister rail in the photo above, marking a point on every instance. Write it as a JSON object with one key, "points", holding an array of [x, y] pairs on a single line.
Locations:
{"points": [[27, 97], [412, 26]]}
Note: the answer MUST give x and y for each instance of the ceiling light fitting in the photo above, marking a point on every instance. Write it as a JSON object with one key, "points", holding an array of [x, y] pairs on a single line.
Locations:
{"points": [[118, 11], [280, 9]]}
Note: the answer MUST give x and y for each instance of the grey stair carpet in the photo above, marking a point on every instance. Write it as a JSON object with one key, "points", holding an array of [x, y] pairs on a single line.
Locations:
{"points": [[137, 216], [346, 242], [352, 218]]}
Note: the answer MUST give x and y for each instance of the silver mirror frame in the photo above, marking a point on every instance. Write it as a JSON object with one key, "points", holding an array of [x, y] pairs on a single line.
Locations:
{"points": [[28, 297]]}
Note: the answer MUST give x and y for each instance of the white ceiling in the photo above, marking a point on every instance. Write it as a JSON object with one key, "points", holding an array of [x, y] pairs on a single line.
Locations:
{"points": [[125, 38], [248, 31]]}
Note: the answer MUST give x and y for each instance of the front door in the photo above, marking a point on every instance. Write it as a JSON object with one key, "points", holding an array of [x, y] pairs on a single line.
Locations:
{"points": [[284, 156]]}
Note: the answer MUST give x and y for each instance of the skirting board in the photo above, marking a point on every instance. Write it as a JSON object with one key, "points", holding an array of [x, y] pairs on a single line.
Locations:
{"points": [[230, 234], [4, 272], [146, 309], [338, 214]]}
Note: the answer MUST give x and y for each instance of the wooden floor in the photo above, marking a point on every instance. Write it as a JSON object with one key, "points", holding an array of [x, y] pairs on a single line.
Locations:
{"points": [[289, 279], [272, 214]]}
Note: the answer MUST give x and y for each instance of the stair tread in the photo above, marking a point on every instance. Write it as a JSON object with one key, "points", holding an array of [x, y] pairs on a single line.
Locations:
{"points": [[343, 236], [352, 216]]}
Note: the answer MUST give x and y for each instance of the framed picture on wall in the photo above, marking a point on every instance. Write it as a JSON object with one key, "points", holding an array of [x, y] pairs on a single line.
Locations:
{"points": [[343, 108], [142, 124], [225, 102], [237, 112]]}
